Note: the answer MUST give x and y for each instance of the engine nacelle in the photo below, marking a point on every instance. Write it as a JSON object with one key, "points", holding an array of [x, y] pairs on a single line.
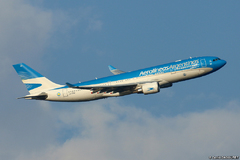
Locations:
{"points": [[150, 88]]}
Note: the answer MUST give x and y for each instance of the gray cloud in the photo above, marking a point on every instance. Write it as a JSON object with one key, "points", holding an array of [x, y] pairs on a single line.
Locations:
{"points": [[25, 128], [26, 30], [107, 130]]}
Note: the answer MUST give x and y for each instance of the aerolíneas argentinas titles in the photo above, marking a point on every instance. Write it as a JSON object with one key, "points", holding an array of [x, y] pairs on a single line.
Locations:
{"points": [[147, 81]]}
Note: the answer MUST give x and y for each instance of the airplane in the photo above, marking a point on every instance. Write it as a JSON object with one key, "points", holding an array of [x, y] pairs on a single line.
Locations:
{"points": [[144, 81]]}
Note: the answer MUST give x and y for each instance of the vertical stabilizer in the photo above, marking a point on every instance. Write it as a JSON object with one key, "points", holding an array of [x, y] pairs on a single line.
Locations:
{"points": [[33, 80]]}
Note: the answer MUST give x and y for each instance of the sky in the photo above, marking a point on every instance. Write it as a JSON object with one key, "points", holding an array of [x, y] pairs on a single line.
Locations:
{"points": [[72, 41]]}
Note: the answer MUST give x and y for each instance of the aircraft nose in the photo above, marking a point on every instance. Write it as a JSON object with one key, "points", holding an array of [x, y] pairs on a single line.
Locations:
{"points": [[223, 62], [219, 64]]}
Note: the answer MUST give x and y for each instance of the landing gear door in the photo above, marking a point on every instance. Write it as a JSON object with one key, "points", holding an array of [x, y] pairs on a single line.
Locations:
{"points": [[65, 92], [203, 63]]}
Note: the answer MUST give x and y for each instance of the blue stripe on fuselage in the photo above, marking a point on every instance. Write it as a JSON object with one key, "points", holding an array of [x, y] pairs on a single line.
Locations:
{"points": [[160, 69]]}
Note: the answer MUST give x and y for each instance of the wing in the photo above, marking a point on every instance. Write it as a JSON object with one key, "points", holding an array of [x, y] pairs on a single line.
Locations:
{"points": [[114, 70], [111, 88], [134, 86], [105, 88]]}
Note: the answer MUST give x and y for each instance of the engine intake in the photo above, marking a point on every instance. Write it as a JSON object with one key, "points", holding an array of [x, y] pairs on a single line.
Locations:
{"points": [[150, 88]]}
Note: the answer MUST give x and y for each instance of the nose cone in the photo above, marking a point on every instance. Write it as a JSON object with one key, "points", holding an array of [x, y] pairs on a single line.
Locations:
{"points": [[219, 64], [222, 63]]}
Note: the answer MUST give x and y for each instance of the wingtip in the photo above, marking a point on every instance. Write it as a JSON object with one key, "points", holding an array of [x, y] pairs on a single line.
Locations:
{"points": [[111, 67]]}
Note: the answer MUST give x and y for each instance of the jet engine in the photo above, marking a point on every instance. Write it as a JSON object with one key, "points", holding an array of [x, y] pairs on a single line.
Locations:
{"points": [[150, 88]]}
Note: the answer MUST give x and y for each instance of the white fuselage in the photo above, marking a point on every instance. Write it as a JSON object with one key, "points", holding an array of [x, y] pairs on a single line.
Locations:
{"points": [[73, 94], [147, 81]]}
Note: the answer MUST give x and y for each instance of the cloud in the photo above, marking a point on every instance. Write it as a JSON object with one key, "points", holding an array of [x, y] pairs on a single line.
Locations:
{"points": [[107, 130], [26, 30], [25, 127]]}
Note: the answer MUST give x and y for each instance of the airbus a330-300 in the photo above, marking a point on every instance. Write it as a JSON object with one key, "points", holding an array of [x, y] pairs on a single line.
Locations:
{"points": [[147, 81]]}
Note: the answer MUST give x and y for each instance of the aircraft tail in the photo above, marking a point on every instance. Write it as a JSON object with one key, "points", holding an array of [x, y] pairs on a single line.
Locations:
{"points": [[34, 81]]}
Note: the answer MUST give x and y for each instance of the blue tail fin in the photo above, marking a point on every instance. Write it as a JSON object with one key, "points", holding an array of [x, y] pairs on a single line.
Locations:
{"points": [[33, 80], [25, 72]]}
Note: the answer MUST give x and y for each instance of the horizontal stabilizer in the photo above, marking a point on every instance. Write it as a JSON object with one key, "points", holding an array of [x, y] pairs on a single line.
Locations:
{"points": [[41, 96], [114, 70], [71, 85]]}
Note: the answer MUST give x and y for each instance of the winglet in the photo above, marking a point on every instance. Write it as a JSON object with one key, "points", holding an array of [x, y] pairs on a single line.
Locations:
{"points": [[114, 70], [111, 68]]}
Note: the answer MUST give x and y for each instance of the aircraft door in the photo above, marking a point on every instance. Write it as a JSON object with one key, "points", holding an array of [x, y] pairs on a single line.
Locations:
{"points": [[65, 92], [203, 63]]}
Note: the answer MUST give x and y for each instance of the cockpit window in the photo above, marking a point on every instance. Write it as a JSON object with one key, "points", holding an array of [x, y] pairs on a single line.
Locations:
{"points": [[216, 59]]}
